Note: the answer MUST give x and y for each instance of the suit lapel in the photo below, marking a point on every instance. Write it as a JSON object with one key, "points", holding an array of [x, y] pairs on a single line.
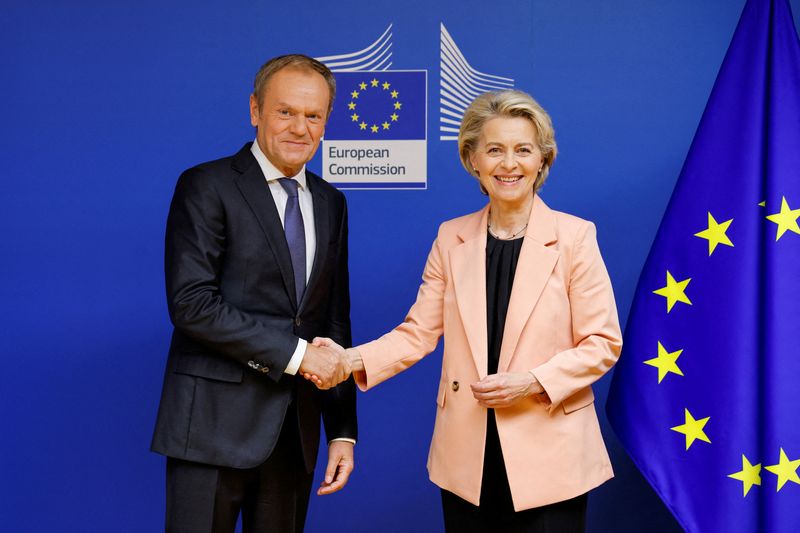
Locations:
{"points": [[536, 262], [468, 264], [322, 230], [254, 188]]}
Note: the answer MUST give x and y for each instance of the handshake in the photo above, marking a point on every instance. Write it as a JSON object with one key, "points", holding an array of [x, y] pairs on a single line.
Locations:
{"points": [[327, 364]]}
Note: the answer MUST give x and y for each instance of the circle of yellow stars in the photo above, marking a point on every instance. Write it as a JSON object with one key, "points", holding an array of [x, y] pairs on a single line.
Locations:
{"points": [[694, 429], [362, 88]]}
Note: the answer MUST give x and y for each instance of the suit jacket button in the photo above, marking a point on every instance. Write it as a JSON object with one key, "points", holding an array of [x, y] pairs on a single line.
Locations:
{"points": [[297, 321], [455, 386]]}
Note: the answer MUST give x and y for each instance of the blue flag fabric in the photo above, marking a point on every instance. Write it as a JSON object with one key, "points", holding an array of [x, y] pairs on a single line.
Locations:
{"points": [[378, 105], [706, 395]]}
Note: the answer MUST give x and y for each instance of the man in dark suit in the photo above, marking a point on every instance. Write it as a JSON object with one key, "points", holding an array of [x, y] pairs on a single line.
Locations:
{"points": [[256, 266]]}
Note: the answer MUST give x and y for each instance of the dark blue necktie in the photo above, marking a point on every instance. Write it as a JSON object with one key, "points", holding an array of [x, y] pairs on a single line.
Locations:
{"points": [[295, 236]]}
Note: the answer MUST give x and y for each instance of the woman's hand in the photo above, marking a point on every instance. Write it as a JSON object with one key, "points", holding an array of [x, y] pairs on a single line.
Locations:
{"points": [[505, 389]]}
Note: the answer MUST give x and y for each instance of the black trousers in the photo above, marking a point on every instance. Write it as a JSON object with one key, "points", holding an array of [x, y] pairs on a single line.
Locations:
{"points": [[496, 514], [272, 497]]}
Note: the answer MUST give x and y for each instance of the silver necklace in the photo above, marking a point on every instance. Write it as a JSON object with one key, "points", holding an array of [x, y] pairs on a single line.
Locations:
{"points": [[496, 236]]}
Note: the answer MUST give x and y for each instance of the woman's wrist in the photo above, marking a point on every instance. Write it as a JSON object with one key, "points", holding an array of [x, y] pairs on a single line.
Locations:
{"points": [[356, 363], [535, 387]]}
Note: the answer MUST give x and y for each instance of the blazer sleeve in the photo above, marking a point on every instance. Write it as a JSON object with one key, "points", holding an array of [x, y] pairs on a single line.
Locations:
{"points": [[194, 251], [339, 403], [416, 337], [596, 333]]}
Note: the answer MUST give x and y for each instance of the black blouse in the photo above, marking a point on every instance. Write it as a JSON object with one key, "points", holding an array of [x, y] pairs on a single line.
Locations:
{"points": [[501, 263]]}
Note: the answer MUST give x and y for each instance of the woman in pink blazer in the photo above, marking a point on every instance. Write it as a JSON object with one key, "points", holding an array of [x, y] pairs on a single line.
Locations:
{"points": [[527, 311]]}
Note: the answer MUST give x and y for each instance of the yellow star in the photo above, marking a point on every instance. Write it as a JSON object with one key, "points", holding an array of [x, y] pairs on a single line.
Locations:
{"points": [[786, 219], [385, 125], [394, 117], [786, 470], [398, 105], [374, 128], [386, 85], [351, 106], [362, 86], [354, 95], [693, 429], [749, 475], [665, 362], [354, 116], [374, 82], [674, 291], [715, 234], [762, 204], [394, 94], [363, 125]]}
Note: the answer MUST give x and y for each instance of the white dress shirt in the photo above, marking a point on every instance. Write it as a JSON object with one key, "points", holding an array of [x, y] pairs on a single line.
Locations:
{"points": [[279, 195]]}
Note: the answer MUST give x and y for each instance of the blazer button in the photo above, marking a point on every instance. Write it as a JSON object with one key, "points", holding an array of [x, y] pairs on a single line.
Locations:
{"points": [[455, 386], [297, 321]]}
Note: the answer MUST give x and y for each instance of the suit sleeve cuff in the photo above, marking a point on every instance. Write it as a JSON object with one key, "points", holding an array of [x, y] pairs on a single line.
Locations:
{"points": [[344, 439], [297, 357]]}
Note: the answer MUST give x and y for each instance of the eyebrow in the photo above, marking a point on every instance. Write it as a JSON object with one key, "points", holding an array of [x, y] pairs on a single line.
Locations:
{"points": [[497, 143], [281, 104]]}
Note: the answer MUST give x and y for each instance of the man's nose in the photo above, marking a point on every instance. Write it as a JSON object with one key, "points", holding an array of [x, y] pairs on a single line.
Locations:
{"points": [[298, 125]]}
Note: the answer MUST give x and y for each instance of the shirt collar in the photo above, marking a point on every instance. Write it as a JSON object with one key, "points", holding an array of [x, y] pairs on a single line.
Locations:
{"points": [[270, 172]]}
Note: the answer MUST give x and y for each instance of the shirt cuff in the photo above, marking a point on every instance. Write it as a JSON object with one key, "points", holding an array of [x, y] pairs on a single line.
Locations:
{"points": [[297, 357], [344, 439]]}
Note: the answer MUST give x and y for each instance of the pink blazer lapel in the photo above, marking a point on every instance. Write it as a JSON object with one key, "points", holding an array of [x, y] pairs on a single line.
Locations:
{"points": [[468, 264], [536, 263]]}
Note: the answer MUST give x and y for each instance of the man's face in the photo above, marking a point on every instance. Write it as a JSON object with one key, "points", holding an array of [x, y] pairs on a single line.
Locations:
{"points": [[291, 117]]}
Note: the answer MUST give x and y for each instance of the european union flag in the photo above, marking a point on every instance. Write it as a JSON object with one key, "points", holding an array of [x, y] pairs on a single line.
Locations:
{"points": [[378, 105], [706, 396]]}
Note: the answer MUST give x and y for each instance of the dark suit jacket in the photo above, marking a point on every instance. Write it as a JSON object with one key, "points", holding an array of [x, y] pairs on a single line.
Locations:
{"points": [[231, 298]]}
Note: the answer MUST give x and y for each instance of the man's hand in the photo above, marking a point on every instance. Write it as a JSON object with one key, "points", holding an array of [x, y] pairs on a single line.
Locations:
{"points": [[352, 355], [505, 389], [328, 366], [340, 465]]}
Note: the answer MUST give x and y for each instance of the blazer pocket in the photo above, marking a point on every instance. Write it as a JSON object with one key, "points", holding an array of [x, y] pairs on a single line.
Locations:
{"points": [[579, 400], [210, 367]]}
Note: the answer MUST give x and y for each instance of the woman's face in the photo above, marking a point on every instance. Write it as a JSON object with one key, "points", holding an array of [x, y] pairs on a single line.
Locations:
{"points": [[508, 160]]}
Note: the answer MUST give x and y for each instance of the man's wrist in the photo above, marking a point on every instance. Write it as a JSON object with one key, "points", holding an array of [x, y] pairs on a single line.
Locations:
{"points": [[297, 357]]}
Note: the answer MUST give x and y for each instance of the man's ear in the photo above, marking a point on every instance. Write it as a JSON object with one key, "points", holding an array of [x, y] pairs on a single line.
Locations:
{"points": [[253, 110]]}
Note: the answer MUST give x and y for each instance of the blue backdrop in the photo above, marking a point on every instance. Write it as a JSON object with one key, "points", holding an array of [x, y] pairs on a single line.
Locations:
{"points": [[104, 103]]}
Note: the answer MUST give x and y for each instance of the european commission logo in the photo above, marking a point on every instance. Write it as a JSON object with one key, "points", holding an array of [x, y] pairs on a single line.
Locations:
{"points": [[376, 137]]}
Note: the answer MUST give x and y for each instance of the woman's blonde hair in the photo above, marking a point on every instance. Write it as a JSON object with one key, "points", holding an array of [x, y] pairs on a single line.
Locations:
{"points": [[507, 103]]}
